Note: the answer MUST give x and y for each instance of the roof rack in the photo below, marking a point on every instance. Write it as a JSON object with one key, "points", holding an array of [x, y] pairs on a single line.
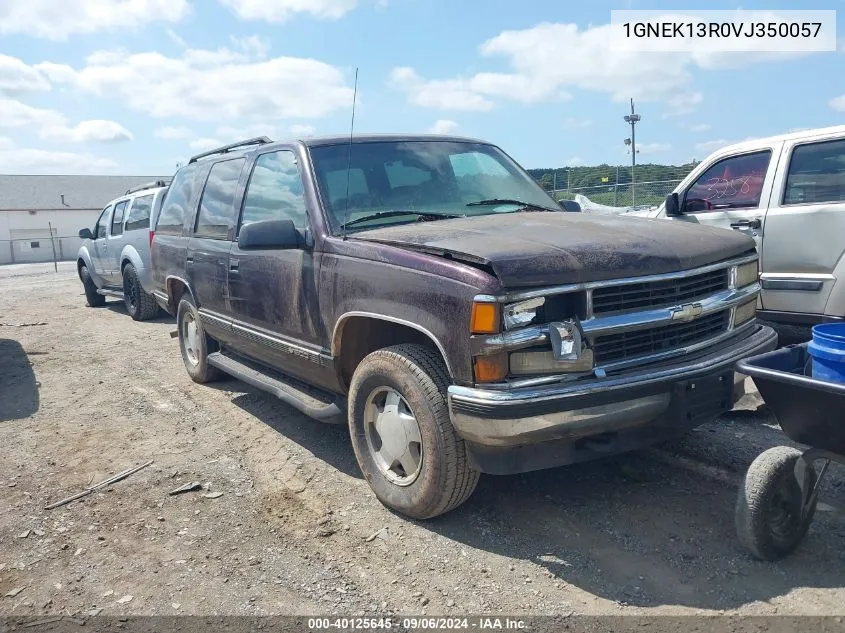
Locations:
{"points": [[258, 140], [149, 185]]}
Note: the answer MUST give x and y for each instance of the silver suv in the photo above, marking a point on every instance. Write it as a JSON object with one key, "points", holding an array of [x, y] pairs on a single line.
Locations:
{"points": [[115, 258]]}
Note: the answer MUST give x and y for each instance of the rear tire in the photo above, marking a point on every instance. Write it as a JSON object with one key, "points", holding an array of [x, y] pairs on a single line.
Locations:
{"points": [[768, 515], [195, 344], [140, 305], [95, 300], [422, 470]]}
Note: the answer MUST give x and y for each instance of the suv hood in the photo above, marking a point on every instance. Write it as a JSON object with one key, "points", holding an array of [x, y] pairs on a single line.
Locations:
{"points": [[548, 248]]}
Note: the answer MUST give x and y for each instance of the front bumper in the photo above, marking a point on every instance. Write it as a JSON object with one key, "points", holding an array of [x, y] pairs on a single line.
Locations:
{"points": [[569, 411]]}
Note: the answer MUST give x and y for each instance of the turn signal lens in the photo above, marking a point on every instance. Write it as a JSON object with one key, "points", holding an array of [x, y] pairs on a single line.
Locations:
{"points": [[485, 318], [490, 368]]}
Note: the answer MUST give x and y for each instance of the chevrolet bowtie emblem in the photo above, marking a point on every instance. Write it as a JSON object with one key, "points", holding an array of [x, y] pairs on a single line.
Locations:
{"points": [[687, 312]]}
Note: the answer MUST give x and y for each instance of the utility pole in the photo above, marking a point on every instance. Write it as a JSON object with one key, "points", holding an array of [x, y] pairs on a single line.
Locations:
{"points": [[632, 120]]}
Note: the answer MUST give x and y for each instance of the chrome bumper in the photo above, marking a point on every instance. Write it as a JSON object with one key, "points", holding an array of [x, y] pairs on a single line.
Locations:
{"points": [[587, 407]]}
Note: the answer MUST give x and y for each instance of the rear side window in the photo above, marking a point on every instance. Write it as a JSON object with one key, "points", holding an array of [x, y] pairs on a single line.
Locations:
{"points": [[139, 213], [176, 205], [275, 191], [217, 217], [117, 218], [816, 174], [732, 183]]}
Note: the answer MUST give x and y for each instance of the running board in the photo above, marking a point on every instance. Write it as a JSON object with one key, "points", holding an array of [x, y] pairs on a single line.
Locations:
{"points": [[315, 404], [110, 293]]}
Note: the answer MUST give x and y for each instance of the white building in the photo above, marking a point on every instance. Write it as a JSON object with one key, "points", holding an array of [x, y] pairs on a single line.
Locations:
{"points": [[35, 208]]}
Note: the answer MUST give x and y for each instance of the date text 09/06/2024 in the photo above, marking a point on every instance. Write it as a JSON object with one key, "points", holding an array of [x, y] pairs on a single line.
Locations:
{"points": [[722, 29], [416, 623]]}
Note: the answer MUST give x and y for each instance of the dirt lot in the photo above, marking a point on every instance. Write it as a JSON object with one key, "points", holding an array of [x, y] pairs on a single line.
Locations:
{"points": [[86, 393]]}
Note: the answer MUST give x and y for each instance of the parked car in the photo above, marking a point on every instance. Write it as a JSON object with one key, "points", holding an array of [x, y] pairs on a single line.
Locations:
{"points": [[114, 260], [428, 292], [788, 193]]}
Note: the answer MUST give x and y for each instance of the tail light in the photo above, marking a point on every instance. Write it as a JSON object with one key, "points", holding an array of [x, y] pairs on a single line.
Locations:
{"points": [[152, 235]]}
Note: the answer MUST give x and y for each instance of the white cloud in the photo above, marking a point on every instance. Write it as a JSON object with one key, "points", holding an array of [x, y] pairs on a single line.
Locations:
{"points": [[712, 146], [443, 126], [652, 148], [202, 144], [223, 84], [574, 161], [94, 130], [53, 125], [545, 61], [700, 127], [56, 20], [302, 130], [17, 77], [838, 103], [19, 160], [283, 10], [576, 124], [173, 133]]}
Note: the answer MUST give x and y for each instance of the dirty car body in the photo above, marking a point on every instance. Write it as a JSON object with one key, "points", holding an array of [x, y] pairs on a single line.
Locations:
{"points": [[562, 337]]}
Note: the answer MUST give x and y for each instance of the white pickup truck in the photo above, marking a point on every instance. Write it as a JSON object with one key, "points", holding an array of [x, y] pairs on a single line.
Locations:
{"points": [[788, 193]]}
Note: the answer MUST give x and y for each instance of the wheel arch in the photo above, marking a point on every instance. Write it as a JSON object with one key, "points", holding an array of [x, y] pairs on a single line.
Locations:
{"points": [[357, 334], [176, 287]]}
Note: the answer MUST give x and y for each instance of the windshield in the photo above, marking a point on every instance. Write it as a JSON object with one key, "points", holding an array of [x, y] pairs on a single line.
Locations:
{"points": [[434, 178]]}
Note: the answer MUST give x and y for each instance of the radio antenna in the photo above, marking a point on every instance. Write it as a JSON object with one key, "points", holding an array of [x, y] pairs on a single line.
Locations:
{"points": [[349, 154]]}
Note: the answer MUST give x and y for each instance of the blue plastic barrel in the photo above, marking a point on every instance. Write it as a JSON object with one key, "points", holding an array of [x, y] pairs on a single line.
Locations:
{"points": [[828, 351]]}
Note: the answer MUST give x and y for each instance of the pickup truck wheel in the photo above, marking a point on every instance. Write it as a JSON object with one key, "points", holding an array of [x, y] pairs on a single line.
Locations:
{"points": [[403, 438], [140, 305], [195, 344], [94, 299]]}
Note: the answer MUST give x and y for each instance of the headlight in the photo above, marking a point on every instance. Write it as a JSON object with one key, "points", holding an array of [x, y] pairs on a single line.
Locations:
{"points": [[522, 313], [745, 275], [745, 312]]}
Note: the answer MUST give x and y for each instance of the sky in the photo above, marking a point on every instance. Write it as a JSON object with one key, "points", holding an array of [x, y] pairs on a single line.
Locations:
{"points": [[138, 86]]}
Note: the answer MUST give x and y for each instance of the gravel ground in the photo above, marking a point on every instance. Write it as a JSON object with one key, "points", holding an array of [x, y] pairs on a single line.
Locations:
{"points": [[86, 393]]}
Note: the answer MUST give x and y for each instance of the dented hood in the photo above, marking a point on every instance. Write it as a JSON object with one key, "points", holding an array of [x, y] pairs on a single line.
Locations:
{"points": [[538, 248]]}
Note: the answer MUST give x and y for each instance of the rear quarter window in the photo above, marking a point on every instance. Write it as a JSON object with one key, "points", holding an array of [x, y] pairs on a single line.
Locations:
{"points": [[177, 207], [139, 213]]}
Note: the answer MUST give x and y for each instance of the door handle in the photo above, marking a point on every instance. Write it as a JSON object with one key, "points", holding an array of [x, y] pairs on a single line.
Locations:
{"points": [[189, 261], [233, 265], [756, 223]]}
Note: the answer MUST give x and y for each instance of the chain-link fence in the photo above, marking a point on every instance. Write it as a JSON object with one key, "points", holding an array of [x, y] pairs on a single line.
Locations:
{"points": [[39, 249], [639, 194]]}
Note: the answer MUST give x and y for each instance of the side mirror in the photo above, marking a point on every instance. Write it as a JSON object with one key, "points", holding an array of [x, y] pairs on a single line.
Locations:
{"points": [[86, 234], [269, 234], [570, 205], [673, 205]]}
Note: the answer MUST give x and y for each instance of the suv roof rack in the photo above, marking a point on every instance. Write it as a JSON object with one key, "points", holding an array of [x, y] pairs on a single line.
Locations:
{"points": [[149, 185], [258, 140]]}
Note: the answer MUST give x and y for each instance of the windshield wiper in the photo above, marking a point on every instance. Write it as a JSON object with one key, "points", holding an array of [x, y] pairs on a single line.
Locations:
{"points": [[496, 201], [421, 215]]}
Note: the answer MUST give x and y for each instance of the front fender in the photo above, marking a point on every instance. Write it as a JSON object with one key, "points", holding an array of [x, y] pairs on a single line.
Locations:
{"points": [[83, 257]]}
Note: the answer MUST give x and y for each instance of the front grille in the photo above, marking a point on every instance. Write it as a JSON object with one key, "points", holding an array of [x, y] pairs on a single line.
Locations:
{"points": [[656, 294], [611, 348]]}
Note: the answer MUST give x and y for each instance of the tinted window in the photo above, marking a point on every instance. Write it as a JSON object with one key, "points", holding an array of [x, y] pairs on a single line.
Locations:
{"points": [[816, 174], [139, 213], [275, 191], [117, 219], [217, 217], [102, 223], [179, 197], [336, 184], [732, 183]]}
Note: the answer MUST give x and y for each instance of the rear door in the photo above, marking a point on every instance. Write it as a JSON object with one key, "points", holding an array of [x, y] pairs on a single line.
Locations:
{"points": [[805, 227], [115, 242], [210, 242], [733, 193]]}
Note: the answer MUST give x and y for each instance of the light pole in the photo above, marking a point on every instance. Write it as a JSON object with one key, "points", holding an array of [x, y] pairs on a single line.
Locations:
{"points": [[632, 120]]}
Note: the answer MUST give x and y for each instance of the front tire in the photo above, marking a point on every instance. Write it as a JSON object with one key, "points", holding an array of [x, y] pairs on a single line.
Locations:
{"points": [[94, 299], [769, 518], [402, 435], [140, 305], [195, 344]]}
